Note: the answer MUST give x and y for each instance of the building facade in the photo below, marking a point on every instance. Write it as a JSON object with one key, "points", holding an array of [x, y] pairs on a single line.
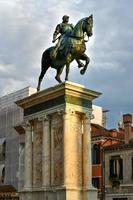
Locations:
{"points": [[102, 137], [10, 115], [119, 165]]}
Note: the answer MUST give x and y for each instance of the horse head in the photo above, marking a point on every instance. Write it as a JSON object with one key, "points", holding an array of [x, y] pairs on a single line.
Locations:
{"points": [[88, 25]]}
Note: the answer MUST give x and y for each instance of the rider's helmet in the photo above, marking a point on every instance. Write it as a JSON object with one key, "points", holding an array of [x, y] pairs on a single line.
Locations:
{"points": [[65, 18]]}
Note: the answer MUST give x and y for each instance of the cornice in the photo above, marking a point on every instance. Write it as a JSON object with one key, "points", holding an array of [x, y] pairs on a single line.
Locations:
{"points": [[63, 89]]}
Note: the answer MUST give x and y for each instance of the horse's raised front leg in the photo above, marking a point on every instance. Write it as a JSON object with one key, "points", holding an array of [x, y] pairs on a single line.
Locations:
{"points": [[80, 64], [87, 60], [59, 71]]}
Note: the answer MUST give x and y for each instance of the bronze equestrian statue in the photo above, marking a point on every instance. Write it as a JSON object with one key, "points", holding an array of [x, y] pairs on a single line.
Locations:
{"points": [[64, 29], [71, 45]]}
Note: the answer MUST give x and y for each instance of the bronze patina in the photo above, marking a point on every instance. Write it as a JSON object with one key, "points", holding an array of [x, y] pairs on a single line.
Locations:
{"points": [[64, 29], [70, 46]]}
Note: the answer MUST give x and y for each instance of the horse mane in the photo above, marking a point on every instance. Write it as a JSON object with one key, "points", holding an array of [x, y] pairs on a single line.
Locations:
{"points": [[78, 27]]}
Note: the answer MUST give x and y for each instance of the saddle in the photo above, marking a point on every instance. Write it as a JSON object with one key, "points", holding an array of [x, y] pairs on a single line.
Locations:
{"points": [[70, 44]]}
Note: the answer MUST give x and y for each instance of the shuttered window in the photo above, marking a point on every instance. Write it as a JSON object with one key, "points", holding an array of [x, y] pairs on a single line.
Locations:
{"points": [[116, 167], [121, 169]]}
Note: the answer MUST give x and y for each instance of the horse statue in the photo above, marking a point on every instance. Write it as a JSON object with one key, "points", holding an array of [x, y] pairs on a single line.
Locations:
{"points": [[71, 47]]}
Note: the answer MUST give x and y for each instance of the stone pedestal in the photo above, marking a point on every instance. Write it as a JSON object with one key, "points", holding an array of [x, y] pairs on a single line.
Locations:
{"points": [[58, 144]]}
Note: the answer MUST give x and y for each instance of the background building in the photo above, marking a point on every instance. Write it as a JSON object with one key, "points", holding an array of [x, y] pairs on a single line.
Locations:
{"points": [[10, 115], [97, 115], [102, 137], [119, 165]]}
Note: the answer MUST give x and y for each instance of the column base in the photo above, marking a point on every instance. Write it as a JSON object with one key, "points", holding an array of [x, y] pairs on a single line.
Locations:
{"points": [[60, 193], [27, 195], [90, 193]]}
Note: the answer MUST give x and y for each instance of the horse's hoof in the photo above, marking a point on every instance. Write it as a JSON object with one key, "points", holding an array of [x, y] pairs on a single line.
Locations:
{"points": [[81, 65], [82, 71], [66, 79], [38, 89], [58, 79]]}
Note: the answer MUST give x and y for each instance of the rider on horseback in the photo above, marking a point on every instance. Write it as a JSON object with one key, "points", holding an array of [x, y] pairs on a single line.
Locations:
{"points": [[76, 51], [64, 29]]}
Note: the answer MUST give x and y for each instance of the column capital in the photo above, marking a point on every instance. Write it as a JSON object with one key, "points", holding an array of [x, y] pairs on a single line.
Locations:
{"points": [[70, 111], [88, 114], [45, 117], [26, 124], [60, 111]]}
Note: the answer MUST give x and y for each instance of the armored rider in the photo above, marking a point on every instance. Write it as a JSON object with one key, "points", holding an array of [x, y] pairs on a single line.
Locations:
{"points": [[64, 29]]}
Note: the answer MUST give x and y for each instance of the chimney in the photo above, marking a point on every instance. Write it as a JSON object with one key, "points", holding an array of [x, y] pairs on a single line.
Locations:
{"points": [[127, 121]]}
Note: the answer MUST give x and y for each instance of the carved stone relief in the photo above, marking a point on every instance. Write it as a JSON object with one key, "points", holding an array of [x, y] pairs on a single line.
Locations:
{"points": [[37, 152], [57, 138], [57, 149]]}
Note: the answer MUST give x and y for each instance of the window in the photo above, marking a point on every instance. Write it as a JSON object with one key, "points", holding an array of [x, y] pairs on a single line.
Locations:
{"points": [[95, 182], [96, 154], [116, 168], [2, 149], [2, 173]]}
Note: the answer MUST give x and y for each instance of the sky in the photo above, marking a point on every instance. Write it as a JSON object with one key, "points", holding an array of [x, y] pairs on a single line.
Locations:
{"points": [[26, 30]]}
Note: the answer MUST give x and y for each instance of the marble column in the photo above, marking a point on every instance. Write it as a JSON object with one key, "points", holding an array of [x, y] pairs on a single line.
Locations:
{"points": [[66, 130], [46, 152], [28, 156], [87, 163], [37, 153]]}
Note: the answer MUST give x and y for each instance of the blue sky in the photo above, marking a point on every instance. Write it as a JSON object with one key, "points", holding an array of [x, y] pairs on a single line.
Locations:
{"points": [[26, 31]]}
